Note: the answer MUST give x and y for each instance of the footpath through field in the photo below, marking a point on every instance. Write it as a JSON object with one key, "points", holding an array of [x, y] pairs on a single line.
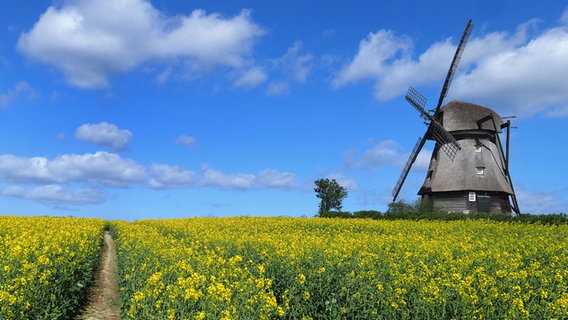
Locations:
{"points": [[103, 300]]}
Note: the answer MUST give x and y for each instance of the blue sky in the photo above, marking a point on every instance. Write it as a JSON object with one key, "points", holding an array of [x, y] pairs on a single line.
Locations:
{"points": [[130, 109]]}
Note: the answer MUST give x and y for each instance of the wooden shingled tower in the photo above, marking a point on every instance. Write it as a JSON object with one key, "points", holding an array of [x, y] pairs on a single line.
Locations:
{"points": [[469, 171]]}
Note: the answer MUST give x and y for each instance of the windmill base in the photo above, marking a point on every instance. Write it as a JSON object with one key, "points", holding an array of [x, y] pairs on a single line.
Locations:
{"points": [[470, 201]]}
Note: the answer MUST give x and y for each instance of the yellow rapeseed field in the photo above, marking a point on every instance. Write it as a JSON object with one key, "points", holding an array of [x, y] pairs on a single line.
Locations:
{"points": [[46, 265], [293, 268]]}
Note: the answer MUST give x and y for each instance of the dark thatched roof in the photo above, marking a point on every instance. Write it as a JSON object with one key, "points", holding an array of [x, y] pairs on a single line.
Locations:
{"points": [[463, 116]]}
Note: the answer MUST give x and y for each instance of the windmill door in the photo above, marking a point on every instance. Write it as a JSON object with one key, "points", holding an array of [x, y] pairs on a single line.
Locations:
{"points": [[483, 203]]}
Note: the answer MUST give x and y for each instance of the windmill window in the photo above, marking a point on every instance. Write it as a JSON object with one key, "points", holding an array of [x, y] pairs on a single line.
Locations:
{"points": [[480, 171], [478, 148], [472, 197]]}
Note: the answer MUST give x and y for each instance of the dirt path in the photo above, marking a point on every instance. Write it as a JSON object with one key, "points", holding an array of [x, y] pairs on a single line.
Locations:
{"points": [[103, 300]]}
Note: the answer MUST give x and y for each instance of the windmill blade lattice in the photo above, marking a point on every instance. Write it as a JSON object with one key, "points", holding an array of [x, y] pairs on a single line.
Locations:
{"points": [[409, 162], [447, 142], [418, 101]]}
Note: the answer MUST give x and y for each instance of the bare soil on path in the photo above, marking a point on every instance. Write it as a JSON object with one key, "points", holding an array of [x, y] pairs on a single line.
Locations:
{"points": [[103, 298]]}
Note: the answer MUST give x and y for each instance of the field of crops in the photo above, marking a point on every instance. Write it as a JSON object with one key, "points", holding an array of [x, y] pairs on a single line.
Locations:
{"points": [[289, 268], [269, 268], [46, 264]]}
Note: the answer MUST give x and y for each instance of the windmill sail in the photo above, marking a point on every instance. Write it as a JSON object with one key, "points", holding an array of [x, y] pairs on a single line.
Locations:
{"points": [[418, 101], [446, 141], [454, 65], [409, 162]]}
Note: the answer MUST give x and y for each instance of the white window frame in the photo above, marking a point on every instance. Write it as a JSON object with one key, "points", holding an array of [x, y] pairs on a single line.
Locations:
{"points": [[472, 197], [480, 171]]}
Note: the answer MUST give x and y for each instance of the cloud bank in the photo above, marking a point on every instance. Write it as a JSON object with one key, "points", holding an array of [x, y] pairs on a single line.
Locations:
{"points": [[80, 179], [97, 168], [90, 40], [56, 194], [521, 73]]}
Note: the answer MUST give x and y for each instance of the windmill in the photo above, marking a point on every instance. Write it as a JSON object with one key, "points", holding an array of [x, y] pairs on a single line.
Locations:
{"points": [[468, 171]]}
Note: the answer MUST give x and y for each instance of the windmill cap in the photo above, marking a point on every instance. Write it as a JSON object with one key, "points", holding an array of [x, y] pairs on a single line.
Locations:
{"points": [[459, 115]]}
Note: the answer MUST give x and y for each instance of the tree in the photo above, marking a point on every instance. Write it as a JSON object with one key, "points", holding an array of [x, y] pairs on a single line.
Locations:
{"points": [[398, 210], [331, 195]]}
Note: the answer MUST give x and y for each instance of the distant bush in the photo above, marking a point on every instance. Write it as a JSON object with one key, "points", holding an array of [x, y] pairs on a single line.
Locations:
{"points": [[368, 214], [424, 210], [555, 218], [362, 214], [336, 214]]}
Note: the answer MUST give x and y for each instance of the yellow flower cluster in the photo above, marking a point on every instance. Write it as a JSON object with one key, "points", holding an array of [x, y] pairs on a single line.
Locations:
{"points": [[167, 273], [46, 263], [291, 268]]}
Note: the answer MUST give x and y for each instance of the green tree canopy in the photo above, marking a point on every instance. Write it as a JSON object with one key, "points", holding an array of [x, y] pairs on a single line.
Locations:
{"points": [[331, 195]]}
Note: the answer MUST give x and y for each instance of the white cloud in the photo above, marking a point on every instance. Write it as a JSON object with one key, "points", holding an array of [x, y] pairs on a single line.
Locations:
{"points": [[186, 141], [538, 202], [376, 53], [91, 40], [558, 112], [292, 67], [56, 194], [99, 168], [210, 39], [295, 64], [426, 70], [522, 73], [215, 178], [383, 153], [166, 176], [349, 183], [20, 89], [104, 134], [110, 170], [276, 179], [386, 153], [422, 162], [270, 178], [61, 136], [278, 88], [250, 78], [564, 18], [523, 78]]}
